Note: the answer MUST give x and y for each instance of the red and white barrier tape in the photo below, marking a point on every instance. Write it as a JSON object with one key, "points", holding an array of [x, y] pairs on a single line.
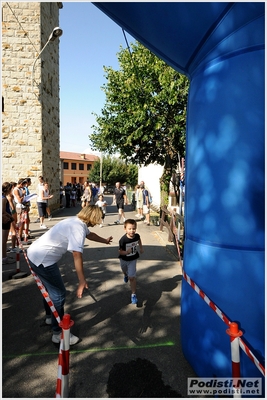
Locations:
{"points": [[37, 279], [216, 309], [249, 353], [206, 299]]}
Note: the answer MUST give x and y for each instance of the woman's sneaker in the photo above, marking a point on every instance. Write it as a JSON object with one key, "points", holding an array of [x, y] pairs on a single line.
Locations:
{"points": [[125, 278], [57, 337], [134, 299]]}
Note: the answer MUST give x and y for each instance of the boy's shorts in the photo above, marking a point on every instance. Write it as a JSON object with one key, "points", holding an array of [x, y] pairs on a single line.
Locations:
{"points": [[128, 267]]}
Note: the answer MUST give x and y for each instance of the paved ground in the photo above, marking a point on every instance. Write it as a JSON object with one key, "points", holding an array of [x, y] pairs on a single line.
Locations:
{"points": [[112, 331]]}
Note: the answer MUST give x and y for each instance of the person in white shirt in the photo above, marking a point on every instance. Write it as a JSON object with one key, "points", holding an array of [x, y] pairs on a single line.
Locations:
{"points": [[44, 254], [103, 205], [43, 197], [19, 195]]}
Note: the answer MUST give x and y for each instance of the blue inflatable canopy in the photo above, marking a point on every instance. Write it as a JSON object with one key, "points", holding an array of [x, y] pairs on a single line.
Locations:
{"points": [[220, 47]]}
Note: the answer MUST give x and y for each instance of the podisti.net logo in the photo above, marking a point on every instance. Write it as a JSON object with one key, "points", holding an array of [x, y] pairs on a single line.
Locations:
{"points": [[224, 386]]}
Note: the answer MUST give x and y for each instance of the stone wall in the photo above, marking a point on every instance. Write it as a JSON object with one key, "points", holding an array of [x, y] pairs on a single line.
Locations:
{"points": [[30, 95]]}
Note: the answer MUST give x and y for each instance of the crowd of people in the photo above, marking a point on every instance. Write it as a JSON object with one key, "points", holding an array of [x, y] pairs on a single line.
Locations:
{"points": [[16, 204], [80, 194], [69, 235]]}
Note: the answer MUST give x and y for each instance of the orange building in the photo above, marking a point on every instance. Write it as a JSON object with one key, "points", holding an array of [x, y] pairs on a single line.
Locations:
{"points": [[75, 167]]}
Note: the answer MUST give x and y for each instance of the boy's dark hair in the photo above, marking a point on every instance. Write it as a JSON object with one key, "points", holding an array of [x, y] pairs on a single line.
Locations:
{"points": [[130, 222]]}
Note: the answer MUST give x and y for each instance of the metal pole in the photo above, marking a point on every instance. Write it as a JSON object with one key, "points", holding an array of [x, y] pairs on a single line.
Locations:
{"points": [[101, 164]]}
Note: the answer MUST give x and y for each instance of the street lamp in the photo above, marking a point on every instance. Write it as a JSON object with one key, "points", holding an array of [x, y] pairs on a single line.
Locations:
{"points": [[101, 166], [53, 36]]}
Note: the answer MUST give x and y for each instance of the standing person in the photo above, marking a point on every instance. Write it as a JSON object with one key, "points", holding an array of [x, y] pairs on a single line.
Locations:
{"points": [[19, 194], [119, 196], [79, 193], [44, 254], [12, 206], [101, 189], [67, 189], [41, 183], [146, 205], [6, 221], [87, 194], [94, 193], [43, 197], [139, 201], [73, 194], [28, 204], [61, 194], [128, 255], [103, 205]]}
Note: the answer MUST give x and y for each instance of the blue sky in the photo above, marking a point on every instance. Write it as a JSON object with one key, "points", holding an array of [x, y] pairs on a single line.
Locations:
{"points": [[90, 41]]}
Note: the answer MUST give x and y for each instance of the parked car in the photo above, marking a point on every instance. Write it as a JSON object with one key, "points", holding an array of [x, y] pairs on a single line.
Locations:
{"points": [[109, 189]]}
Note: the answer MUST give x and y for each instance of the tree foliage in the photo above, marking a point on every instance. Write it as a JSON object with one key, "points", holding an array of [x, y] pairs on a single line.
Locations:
{"points": [[114, 170], [144, 116]]}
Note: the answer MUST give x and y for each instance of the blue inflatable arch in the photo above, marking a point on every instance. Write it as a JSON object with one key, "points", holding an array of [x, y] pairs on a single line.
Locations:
{"points": [[220, 47]]}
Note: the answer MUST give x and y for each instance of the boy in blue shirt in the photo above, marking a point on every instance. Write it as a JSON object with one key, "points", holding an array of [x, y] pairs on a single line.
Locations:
{"points": [[128, 255]]}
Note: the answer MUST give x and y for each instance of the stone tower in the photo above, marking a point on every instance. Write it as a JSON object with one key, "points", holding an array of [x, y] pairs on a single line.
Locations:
{"points": [[30, 95]]}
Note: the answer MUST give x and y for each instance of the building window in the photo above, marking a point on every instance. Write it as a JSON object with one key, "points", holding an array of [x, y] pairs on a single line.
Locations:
{"points": [[65, 165], [73, 165], [89, 166], [81, 167]]}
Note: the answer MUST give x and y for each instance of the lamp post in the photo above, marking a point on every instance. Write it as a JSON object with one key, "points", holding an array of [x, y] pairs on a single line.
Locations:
{"points": [[57, 32], [101, 166]]}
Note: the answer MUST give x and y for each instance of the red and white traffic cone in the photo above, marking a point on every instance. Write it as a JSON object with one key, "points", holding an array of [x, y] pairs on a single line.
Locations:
{"points": [[235, 334], [62, 389]]}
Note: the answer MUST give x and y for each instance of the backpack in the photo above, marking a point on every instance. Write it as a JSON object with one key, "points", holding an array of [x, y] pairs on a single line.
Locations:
{"points": [[150, 199]]}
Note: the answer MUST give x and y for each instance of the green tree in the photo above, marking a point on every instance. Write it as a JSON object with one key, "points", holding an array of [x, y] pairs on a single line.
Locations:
{"points": [[144, 116], [114, 170]]}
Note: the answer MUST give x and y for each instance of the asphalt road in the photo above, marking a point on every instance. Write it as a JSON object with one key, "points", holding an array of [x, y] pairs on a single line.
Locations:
{"points": [[112, 331]]}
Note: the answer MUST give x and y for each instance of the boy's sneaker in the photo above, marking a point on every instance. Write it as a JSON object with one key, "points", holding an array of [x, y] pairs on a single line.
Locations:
{"points": [[117, 222], [57, 337], [134, 299], [49, 217], [43, 227], [125, 278]]}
